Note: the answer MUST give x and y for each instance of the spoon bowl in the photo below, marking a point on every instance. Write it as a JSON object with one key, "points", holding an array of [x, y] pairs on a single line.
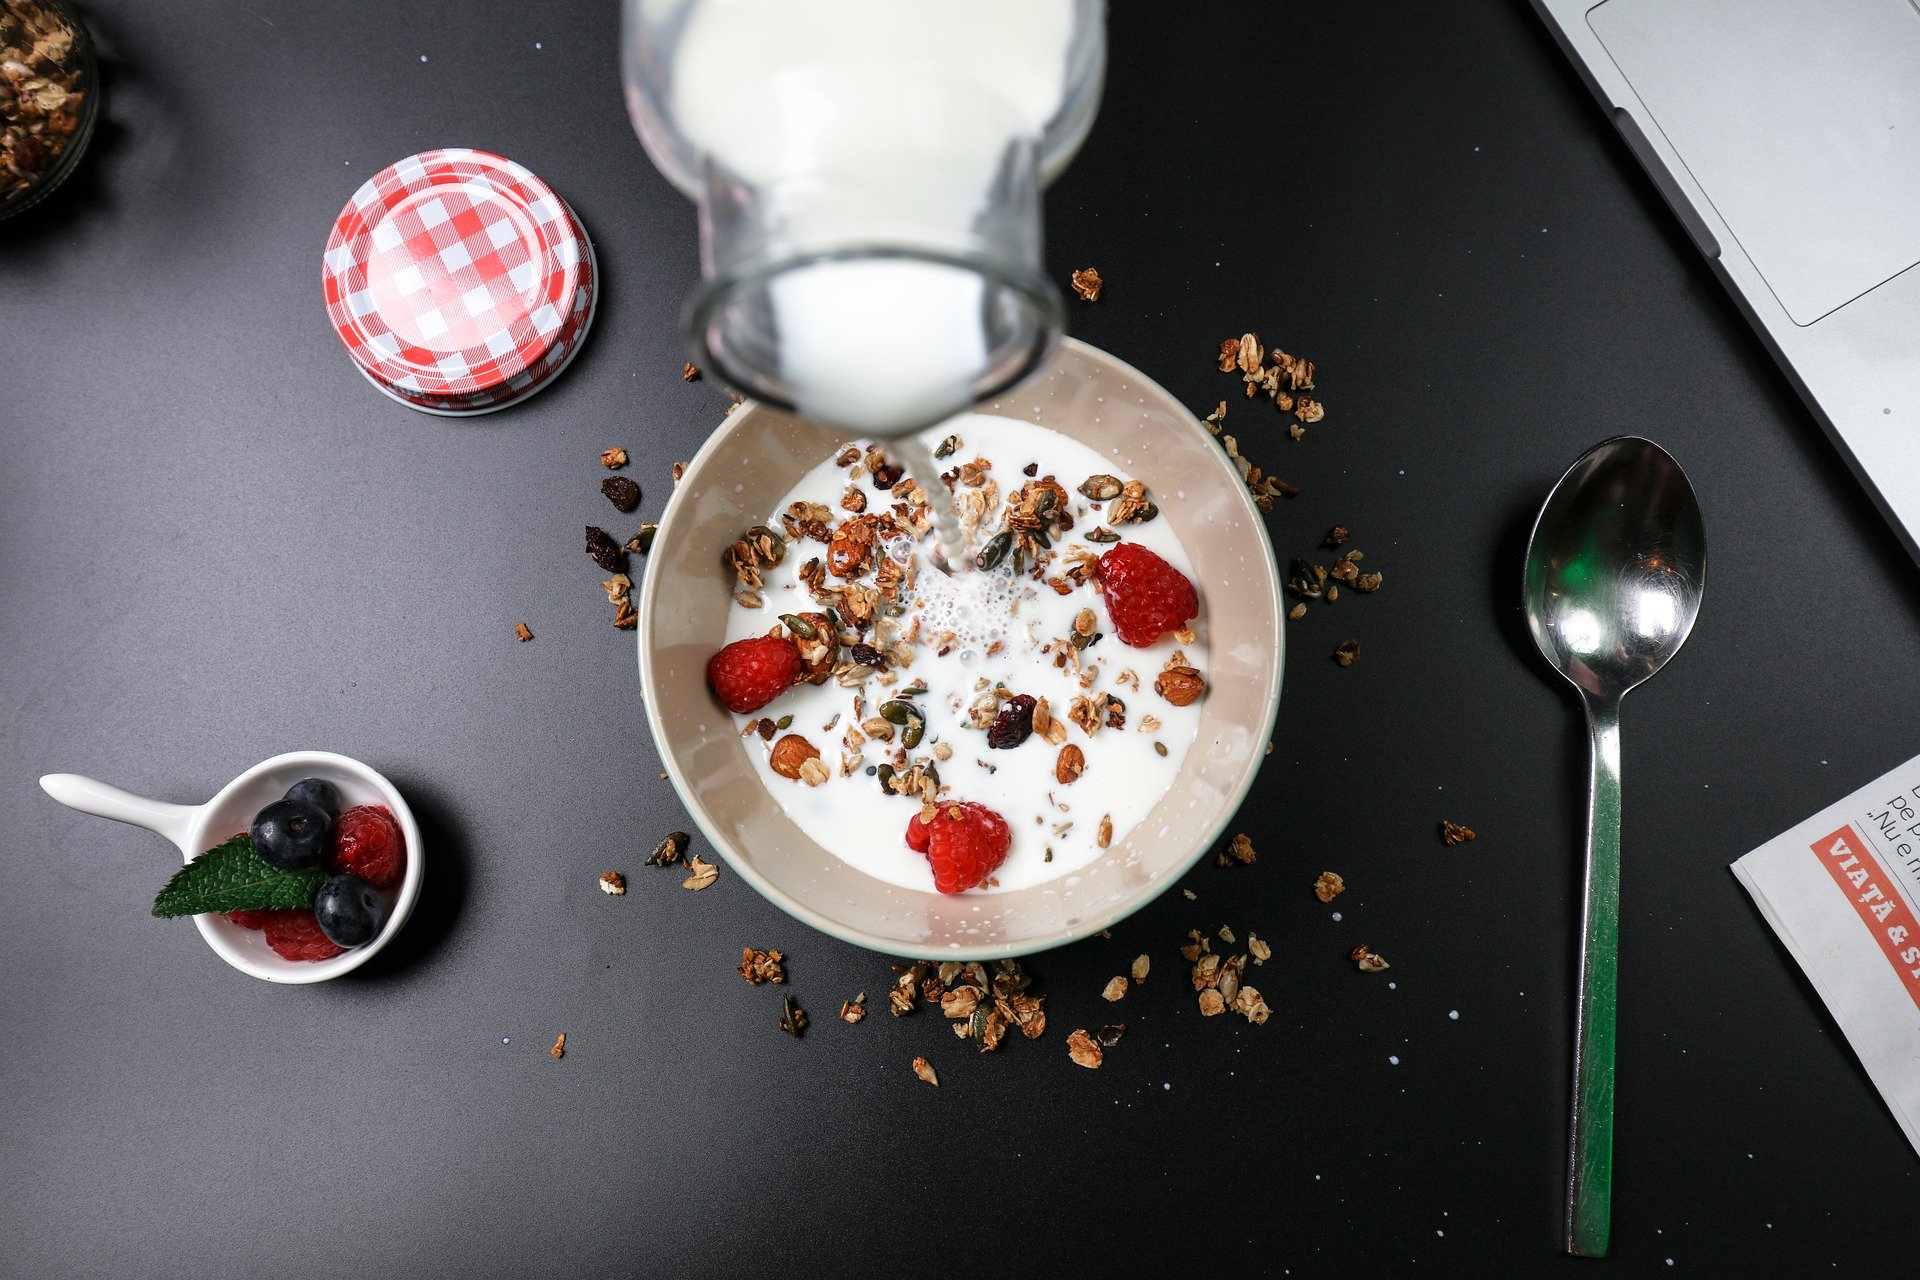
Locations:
{"points": [[194, 829], [1614, 574], [1616, 566]]}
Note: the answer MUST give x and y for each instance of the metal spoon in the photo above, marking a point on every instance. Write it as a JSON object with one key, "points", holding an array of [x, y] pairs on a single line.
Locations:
{"points": [[1615, 568]]}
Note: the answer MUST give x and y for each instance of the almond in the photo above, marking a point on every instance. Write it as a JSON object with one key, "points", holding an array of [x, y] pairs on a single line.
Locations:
{"points": [[1070, 765], [790, 754], [1182, 686]]}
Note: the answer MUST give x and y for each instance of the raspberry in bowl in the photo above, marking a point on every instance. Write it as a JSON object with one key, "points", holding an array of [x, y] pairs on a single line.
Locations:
{"points": [[818, 819], [324, 819]]}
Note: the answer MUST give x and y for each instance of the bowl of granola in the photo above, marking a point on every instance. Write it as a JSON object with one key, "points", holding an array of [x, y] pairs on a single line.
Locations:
{"points": [[982, 763], [49, 99]]}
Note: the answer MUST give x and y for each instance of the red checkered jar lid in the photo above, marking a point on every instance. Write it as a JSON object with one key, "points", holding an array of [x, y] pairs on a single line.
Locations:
{"points": [[459, 282]]}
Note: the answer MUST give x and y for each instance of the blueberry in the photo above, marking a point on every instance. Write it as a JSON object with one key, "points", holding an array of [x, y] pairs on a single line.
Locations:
{"points": [[291, 834], [319, 793], [348, 910]]}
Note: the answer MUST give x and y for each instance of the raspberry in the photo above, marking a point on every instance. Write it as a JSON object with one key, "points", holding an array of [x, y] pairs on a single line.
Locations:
{"points": [[294, 934], [251, 919], [965, 843], [748, 674], [367, 843], [1146, 597]]}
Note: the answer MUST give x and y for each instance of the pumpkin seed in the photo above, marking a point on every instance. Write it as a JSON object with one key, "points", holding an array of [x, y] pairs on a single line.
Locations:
{"points": [[800, 626], [912, 721], [771, 546], [995, 551]]}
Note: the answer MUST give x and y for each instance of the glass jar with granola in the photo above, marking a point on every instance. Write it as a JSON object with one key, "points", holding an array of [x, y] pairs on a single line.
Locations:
{"points": [[49, 98]]}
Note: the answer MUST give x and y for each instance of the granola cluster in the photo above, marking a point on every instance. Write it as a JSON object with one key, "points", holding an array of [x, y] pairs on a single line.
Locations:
{"points": [[1285, 379], [983, 1005], [1219, 980]]}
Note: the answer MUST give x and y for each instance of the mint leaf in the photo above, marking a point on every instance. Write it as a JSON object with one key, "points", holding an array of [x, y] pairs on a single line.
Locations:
{"points": [[234, 877]]}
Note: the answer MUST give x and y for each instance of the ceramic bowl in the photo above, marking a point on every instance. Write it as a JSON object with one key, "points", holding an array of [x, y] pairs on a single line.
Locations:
{"points": [[194, 829], [740, 476]]}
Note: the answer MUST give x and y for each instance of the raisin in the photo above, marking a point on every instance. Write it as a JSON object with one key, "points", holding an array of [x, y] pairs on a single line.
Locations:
{"points": [[868, 656], [606, 553], [621, 492], [1014, 724], [887, 475], [1031, 469]]}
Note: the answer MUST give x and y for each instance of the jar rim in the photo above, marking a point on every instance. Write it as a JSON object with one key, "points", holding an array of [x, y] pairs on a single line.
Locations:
{"points": [[1027, 286]]}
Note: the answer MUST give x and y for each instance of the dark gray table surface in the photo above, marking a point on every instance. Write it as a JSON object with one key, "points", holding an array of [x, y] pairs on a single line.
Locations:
{"points": [[217, 543]]}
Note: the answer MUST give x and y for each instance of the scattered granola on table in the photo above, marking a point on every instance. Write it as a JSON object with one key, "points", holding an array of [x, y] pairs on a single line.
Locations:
{"points": [[1367, 961], [983, 1004], [1218, 980], [1141, 963], [1347, 652], [614, 883], [689, 372], [703, 875], [622, 492], [1281, 377], [1329, 886], [1263, 487], [1084, 1051], [1086, 282], [924, 1069], [559, 1049], [613, 459], [762, 966], [1454, 833], [852, 1011], [793, 1019], [668, 851], [522, 632], [1240, 850], [1115, 989], [606, 553]]}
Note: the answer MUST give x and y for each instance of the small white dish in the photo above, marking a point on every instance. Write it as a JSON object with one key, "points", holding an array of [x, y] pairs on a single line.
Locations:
{"points": [[196, 828]]}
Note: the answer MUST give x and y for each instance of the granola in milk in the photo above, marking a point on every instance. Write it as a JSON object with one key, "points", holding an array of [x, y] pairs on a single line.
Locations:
{"points": [[1004, 724]]}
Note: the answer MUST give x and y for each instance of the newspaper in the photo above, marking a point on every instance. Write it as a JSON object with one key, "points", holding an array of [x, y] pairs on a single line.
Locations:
{"points": [[1840, 889]]}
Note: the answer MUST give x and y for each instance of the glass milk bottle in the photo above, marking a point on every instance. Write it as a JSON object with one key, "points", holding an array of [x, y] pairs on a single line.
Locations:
{"points": [[868, 174]]}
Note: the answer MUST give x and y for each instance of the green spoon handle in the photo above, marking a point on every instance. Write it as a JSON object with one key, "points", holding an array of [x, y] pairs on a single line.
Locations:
{"points": [[1590, 1153]]}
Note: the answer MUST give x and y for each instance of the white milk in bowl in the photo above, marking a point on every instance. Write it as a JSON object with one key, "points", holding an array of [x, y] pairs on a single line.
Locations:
{"points": [[959, 650]]}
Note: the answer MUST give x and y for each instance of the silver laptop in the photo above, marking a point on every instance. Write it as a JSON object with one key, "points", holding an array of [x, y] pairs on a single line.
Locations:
{"points": [[1786, 136]]}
